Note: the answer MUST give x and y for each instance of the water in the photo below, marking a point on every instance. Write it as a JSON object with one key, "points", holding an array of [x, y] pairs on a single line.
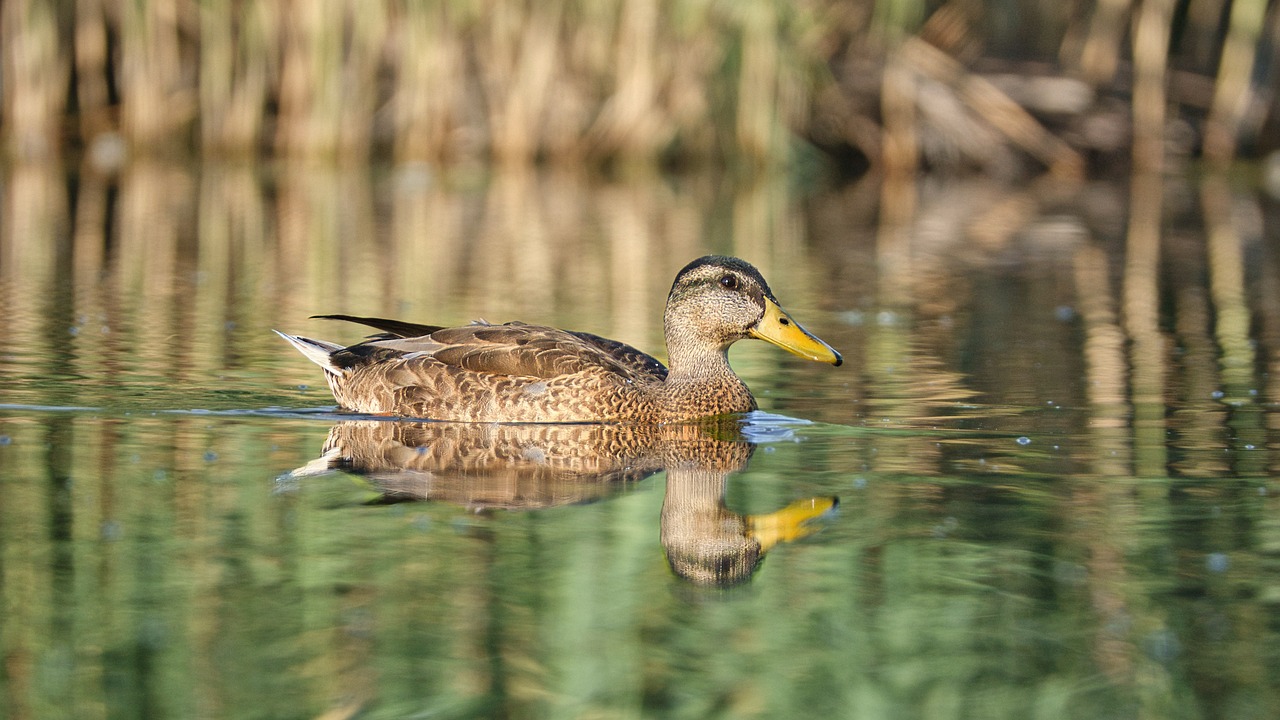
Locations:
{"points": [[1043, 484]]}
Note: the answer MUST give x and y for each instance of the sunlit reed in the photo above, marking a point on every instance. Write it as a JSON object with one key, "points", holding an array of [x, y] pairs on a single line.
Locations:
{"points": [[33, 77], [1150, 48], [614, 82], [1234, 95]]}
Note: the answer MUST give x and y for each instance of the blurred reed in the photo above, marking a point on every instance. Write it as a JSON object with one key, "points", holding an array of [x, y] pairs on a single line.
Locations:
{"points": [[621, 81]]}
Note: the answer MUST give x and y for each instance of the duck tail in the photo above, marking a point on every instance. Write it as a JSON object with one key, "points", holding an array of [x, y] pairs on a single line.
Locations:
{"points": [[317, 351]]}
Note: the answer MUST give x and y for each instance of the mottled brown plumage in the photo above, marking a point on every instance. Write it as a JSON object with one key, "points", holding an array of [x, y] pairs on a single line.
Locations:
{"points": [[532, 373]]}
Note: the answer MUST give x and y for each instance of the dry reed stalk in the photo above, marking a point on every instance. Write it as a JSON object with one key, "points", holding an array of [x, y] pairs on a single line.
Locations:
{"points": [[236, 69], [33, 78], [518, 53], [1201, 37], [1150, 55], [1233, 92], [92, 63], [366, 27], [757, 110], [995, 107], [427, 100], [899, 150], [1099, 53], [158, 97], [629, 121], [687, 90], [328, 77], [308, 52]]}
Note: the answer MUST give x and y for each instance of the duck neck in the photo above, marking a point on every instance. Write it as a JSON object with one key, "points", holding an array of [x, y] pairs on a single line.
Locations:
{"points": [[701, 383]]}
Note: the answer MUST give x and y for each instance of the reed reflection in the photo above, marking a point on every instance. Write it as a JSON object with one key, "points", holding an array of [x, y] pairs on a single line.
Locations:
{"points": [[491, 467]]}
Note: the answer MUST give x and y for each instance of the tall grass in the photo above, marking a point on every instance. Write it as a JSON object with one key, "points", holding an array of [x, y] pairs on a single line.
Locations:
{"points": [[516, 81]]}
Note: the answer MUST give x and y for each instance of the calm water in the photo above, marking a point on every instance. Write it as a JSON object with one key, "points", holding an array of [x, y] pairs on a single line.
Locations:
{"points": [[1042, 486]]}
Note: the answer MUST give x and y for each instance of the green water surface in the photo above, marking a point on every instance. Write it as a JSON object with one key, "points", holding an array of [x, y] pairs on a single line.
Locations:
{"points": [[1053, 455]]}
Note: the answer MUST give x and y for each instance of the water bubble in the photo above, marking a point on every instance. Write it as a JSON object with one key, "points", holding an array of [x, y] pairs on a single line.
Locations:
{"points": [[853, 317], [1024, 440], [1065, 313], [1070, 573], [304, 387], [210, 456], [74, 331], [1217, 562], [859, 482], [110, 530], [1217, 394], [5, 440], [1248, 446], [1262, 489], [1162, 646]]}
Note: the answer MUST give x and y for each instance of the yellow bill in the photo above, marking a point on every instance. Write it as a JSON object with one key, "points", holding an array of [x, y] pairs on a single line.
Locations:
{"points": [[778, 328]]}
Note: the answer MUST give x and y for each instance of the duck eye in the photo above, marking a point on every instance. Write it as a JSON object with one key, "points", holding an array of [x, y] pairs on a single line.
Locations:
{"points": [[729, 282]]}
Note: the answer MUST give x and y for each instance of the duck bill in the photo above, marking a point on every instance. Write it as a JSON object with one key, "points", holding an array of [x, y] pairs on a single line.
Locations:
{"points": [[778, 328], [791, 522]]}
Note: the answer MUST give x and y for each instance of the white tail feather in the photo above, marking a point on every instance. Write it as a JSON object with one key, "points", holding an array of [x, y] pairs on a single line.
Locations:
{"points": [[317, 351]]}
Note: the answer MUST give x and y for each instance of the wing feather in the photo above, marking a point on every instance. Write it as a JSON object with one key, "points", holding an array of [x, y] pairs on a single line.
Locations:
{"points": [[513, 349], [394, 328]]}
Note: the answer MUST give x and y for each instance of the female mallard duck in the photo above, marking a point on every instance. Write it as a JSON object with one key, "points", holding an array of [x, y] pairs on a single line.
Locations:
{"points": [[531, 373]]}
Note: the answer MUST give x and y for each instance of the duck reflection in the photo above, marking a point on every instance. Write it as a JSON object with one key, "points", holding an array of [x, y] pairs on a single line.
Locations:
{"points": [[488, 467]]}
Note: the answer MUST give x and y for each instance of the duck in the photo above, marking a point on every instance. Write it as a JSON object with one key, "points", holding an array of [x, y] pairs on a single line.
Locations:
{"points": [[521, 373]]}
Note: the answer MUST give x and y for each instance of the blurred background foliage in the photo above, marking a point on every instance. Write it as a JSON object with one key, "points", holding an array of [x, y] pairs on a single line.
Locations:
{"points": [[898, 85]]}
